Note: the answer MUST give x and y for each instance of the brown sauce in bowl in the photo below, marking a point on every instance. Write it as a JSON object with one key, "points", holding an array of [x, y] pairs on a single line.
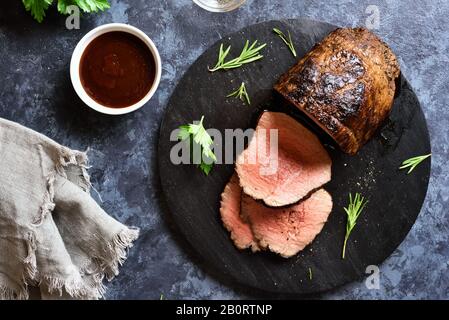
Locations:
{"points": [[117, 69]]}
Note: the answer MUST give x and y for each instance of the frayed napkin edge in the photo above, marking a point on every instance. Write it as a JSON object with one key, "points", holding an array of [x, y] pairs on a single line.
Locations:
{"points": [[107, 266]]}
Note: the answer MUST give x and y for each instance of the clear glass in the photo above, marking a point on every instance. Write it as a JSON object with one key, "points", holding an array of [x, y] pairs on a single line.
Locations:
{"points": [[219, 5]]}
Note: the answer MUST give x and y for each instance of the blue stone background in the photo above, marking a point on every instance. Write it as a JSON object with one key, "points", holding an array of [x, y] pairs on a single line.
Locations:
{"points": [[35, 90]]}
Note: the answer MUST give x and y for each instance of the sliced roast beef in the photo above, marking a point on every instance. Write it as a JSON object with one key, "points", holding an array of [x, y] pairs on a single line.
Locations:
{"points": [[240, 231], [287, 230], [300, 165]]}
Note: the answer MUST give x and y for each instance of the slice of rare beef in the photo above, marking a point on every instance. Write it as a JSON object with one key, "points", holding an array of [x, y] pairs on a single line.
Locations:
{"points": [[240, 231], [287, 230], [300, 165]]}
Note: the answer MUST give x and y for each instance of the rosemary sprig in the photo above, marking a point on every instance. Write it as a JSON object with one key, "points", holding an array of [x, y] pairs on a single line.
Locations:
{"points": [[240, 93], [353, 211], [287, 40], [248, 54], [310, 274], [413, 162]]}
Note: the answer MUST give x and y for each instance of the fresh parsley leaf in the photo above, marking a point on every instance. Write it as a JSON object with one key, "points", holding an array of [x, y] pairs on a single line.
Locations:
{"points": [[206, 168], [200, 136], [62, 6], [37, 8], [184, 132], [92, 5]]}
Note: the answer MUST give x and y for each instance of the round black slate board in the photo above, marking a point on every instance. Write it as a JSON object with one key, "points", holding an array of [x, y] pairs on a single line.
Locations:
{"points": [[395, 198]]}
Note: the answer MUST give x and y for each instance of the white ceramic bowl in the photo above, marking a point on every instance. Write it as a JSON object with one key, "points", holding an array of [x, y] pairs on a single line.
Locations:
{"points": [[75, 66]]}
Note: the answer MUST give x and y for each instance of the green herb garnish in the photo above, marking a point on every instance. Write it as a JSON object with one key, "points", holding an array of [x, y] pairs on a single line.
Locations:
{"points": [[38, 7], [200, 136], [248, 54], [206, 167], [162, 297], [240, 93], [310, 274], [413, 162], [287, 40], [353, 211]]}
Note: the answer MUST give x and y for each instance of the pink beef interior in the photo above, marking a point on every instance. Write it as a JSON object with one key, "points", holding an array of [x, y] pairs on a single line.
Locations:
{"points": [[288, 230], [230, 214], [303, 164]]}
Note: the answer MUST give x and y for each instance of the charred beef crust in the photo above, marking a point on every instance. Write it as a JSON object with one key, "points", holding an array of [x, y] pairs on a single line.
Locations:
{"points": [[346, 84]]}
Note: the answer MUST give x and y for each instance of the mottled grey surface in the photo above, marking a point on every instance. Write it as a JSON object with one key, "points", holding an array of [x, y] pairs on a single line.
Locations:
{"points": [[36, 91]]}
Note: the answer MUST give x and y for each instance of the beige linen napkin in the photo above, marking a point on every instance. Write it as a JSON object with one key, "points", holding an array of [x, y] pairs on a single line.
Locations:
{"points": [[52, 233]]}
